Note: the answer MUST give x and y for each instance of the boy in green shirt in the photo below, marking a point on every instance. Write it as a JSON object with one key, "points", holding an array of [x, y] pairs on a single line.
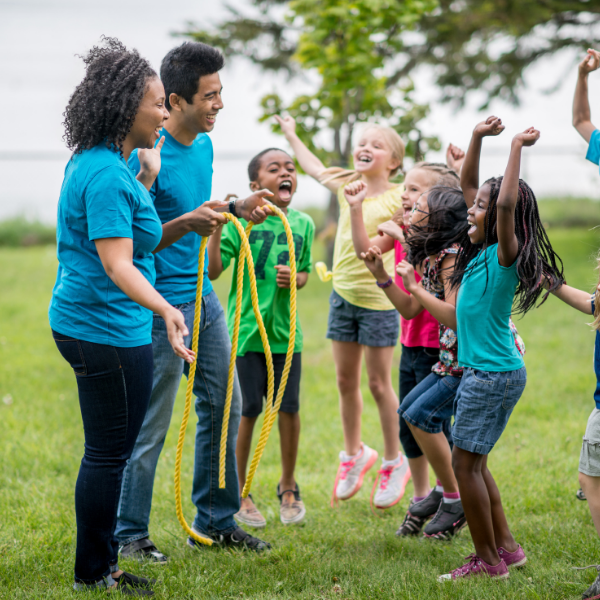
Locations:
{"points": [[274, 170]]}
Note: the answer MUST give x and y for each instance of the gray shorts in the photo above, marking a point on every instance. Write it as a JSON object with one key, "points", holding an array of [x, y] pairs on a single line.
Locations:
{"points": [[589, 461], [350, 323]]}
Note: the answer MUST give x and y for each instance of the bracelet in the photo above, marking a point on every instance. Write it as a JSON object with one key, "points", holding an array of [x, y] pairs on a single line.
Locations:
{"points": [[232, 208], [386, 284]]}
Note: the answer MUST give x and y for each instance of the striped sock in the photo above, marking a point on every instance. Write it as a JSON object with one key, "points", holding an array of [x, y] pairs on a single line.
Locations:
{"points": [[438, 486], [451, 497]]}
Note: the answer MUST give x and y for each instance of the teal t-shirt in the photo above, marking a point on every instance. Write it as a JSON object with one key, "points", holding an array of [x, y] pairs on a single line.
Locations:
{"points": [[483, 309], [101, 198], [183, 184], [593, 153], [269, 248]]}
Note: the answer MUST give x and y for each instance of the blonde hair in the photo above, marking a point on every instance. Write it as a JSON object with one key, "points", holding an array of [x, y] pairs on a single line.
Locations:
{"points": [[392, 139], [440, 173]]}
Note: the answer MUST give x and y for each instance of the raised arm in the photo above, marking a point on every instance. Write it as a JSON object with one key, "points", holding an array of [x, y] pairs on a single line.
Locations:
{"points": [[508, 245], [582, 116], [404, 303], [442, 310], [469, 174], [310, 164]]}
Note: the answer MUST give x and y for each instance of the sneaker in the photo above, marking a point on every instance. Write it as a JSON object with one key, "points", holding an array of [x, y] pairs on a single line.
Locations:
{"points": [[131, 585], [448, 521], [291, 507], [391, 483], [142, 550], [476, 566], [593, 592], [238, 538], [513, 559], [249, 515], [426, 508], [350, 475], [580, 494], [412, 524]]}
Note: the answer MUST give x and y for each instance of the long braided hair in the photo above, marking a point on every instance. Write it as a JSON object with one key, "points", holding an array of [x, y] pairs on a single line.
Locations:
{"points": [[536, 261]]}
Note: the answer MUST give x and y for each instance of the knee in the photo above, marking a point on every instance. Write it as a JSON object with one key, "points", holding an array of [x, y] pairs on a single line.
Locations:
{"points": [[460, 466], [347, 384], [378, 387]]}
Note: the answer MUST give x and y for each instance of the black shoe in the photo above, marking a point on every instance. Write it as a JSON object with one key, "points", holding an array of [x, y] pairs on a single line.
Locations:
{"points": [[238, 538], [411, 525], [594, 590], [131, 585], [427, 507], [141, 550], [448, 521], [580, 494]]}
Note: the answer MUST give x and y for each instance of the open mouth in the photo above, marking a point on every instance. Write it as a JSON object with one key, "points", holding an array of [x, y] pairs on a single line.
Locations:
{"points": [[365, 158], [211, 118], [473, 227], [157, 131], [285, 190]]}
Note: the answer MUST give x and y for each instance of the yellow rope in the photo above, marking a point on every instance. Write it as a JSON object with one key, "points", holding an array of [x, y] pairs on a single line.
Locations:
{"points": [[271, 410]]}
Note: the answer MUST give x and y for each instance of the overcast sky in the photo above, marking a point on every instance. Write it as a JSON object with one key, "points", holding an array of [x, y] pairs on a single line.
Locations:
{"points": [[39, 70]]}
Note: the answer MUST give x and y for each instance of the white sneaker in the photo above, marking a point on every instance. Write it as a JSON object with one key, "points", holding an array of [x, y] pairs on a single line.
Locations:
{"points": [[351, 472], [391, 483]]}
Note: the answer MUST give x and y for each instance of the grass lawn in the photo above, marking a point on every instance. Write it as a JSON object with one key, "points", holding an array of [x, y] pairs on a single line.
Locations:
{"points": [[345, 553]]}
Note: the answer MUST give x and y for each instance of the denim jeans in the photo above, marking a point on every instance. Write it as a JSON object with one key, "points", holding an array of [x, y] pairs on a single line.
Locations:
{"points": [[415, 365], [114, 387], [215, 507]]}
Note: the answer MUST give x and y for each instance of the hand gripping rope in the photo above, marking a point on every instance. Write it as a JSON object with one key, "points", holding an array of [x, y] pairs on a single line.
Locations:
{"points": [[271, 409]]}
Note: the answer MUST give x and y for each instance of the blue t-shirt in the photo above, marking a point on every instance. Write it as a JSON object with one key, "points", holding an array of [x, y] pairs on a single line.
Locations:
{"points": [[183, 184], [593, 153], [483, 307], [101, 198]]}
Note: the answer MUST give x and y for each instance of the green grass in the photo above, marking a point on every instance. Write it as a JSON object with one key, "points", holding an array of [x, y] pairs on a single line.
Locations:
{"points": [[20, 231], [346, 553]]}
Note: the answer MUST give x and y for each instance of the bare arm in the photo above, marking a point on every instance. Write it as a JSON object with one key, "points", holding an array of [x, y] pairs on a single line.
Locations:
{"points": [[582, 116], [508, 245], [310, 164], [215, 263], [116, 255], [469, 174], [575, 298], [442, 310]]}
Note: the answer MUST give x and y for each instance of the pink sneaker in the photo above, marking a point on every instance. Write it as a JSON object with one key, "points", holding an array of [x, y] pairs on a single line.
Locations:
{"points": [[390, 484], [350, 475], [513, 559], [476, 566]]}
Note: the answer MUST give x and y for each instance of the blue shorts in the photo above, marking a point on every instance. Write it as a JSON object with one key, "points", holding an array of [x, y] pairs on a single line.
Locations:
{"points": [[484, 402], [430, 404], [350, 323]]}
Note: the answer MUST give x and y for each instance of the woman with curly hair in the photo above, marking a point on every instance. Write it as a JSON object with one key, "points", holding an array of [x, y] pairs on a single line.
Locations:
{"points": [[103, 299]]}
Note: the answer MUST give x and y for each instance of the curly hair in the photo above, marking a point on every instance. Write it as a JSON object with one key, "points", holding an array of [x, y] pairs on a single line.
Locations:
{"points": [[254, 164], [536, 262], [441, 173], [446, 225], [103, 106]]}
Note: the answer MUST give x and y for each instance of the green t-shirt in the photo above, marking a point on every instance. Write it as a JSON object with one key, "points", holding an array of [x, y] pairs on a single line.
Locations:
{"points": [[269, 248]]}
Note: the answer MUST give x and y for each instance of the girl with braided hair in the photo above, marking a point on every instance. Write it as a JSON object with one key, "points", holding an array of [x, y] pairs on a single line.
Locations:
{"points": [[503, 263], [103, 300]]}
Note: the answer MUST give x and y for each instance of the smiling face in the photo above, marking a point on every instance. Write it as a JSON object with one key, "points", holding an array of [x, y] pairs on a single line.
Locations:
{"points": [[476, 215], [150, 117], [373, 155], [201, 113], [420, 215], [277, 173], [416, 182]]}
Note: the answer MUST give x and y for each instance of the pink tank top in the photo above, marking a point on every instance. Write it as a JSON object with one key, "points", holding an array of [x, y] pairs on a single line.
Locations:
{"points": [[423, 330]]}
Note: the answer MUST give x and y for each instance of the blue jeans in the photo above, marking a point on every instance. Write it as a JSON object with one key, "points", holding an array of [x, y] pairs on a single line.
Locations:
{"points": [[114, 386], [215, 507]]}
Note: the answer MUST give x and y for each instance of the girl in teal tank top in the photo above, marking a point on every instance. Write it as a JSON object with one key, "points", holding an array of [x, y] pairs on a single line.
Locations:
{"points": [[503, 261]]}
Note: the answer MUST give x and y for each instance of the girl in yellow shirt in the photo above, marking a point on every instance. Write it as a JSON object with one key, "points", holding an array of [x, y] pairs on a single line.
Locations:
{"points": [[361, 318]]}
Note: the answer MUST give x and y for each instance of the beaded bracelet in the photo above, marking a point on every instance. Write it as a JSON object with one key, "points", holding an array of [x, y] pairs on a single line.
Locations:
{"points": [[386, 284]]}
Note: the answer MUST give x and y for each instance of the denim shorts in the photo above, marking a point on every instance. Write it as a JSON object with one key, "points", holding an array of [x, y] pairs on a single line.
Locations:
{"points": [[350, 323], [589, 461], [430, 404], [484, 402]]}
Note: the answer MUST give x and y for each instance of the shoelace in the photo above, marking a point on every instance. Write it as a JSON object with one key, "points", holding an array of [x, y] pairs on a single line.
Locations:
{"points": [[471, 565], [412, 523], [386, 473], [341, 474]]}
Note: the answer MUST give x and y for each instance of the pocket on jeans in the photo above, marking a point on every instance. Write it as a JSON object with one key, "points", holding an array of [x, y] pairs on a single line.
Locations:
{"points": [[512, 393], [482, 377], [335, 300], [72, 353]]}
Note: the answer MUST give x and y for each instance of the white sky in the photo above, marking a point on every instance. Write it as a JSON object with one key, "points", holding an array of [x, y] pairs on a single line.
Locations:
{"points": [[39, 70]]}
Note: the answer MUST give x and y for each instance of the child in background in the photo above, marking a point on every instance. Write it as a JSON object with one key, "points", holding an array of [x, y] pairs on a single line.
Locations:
{"points": [[419, 336], [361, 319], [436, 225], [272, 169], [504, 258]]}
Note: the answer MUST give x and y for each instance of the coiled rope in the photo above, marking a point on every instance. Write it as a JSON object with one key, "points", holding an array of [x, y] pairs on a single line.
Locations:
{"points": [[272, 408]]}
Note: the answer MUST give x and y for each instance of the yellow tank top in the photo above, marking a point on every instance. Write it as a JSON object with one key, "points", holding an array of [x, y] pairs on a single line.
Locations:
{"points": [[351, 278]]}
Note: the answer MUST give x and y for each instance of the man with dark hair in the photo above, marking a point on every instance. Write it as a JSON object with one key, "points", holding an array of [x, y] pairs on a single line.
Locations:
{"points": [[181, 196]]}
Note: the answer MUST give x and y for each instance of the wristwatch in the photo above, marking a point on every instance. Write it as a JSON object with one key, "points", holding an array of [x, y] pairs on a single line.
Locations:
{"points": [[232, 208], [386, 284]]}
